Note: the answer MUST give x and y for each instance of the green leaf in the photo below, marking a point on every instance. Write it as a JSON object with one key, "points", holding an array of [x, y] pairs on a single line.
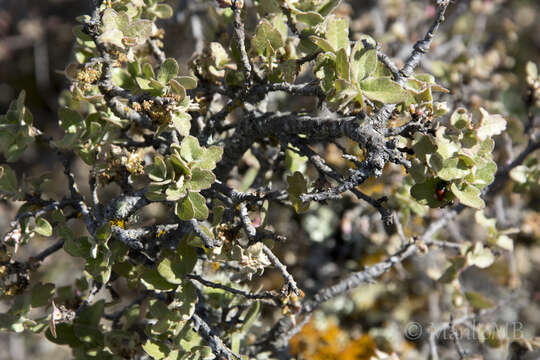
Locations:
{"points": [[184, 209], [337, 33], [322, 43], [122, 78], [342, 64], [20, 101], [95, 131], [138, 32], [134, 68], [163, 11], [469, 195], [176, 191], [200, 179], [112, 36], [490, 125], [144, 84], [418, 171], [185, 300], [266, 34], [426, 193], [180, 166], [103, 233], [453, 168], [383, 89], [69, 119], [478, 301], [157, 172], [42, 294], [65, 335], [188, 82], [295, 162], [210, 157], [178, 89], [297, 186], [450, 274], [219, 54], [159, 310], [345, 94], [167, 71], [310, 18], [485, 174], [480, 256], [157, 350], [80, 247], [147, 71], [152, 280], [155, 193], [363, 62], [176, 265], [327, 7], [198, 202], [190, 149], [110, 19], [99, 267], [121, 340], [203, 352], [167, 271], [43, 227], [445, 148], [181, 122], [86, 324], [8, 180], [87, 155], [325, 70], [217, 212], [460, 118]]}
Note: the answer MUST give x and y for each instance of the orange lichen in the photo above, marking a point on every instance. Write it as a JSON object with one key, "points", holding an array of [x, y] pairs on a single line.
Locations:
{"points": [[330, 343]]}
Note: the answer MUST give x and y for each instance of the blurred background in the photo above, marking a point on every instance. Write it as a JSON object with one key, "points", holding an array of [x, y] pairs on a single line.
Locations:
{"points": [[500, 36]]}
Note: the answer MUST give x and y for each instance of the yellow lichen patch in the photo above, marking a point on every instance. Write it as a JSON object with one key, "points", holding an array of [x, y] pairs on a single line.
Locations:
{"points": [[118, 222], [330, 343], [160, 233]]}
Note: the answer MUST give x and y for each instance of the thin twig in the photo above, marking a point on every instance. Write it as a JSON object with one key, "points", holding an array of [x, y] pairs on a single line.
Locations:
{"points": [[264, 296], [240, 36], [48, 251], [419, 49], [289, 280]]}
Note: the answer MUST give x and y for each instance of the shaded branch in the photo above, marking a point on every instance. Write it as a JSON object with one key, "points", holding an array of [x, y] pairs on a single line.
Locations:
{"points": [[218, 347]]}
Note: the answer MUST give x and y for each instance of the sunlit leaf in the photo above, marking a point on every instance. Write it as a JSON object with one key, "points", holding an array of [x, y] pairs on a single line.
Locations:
{"points": [[468, 195], [383, 89], [337, 33]]}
